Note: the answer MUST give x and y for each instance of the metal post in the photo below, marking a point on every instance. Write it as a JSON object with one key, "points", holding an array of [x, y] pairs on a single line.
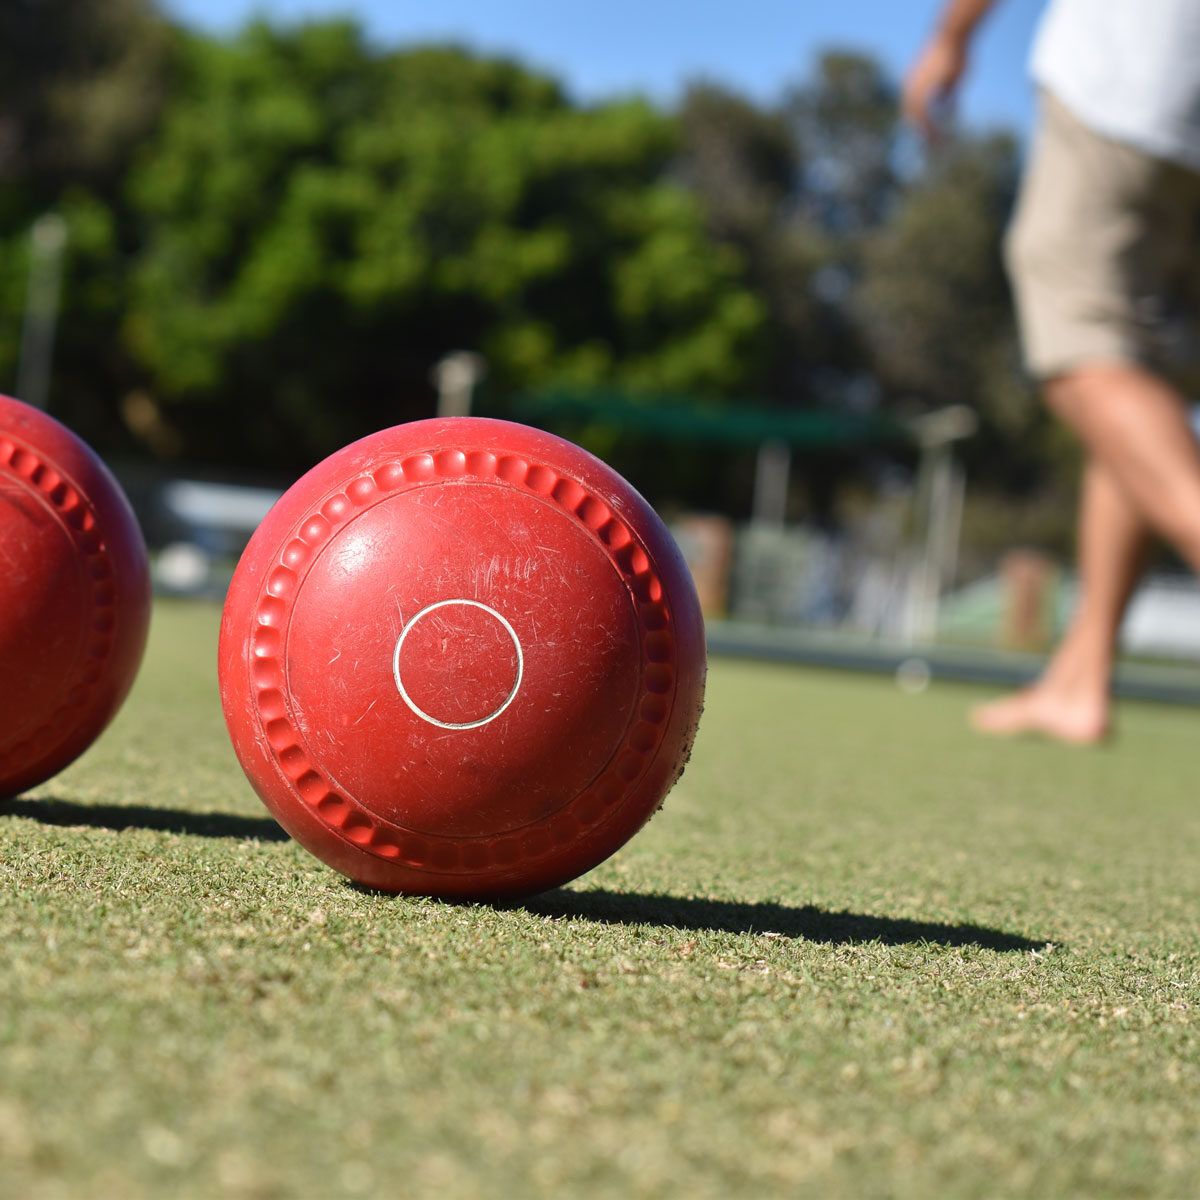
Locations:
{"points": [[47, 239], [939, 502], [771, 483], [456, 377]]}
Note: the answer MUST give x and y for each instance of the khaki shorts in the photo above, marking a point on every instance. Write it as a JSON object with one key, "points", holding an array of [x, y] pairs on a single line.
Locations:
{"points": [[1104, 254]]}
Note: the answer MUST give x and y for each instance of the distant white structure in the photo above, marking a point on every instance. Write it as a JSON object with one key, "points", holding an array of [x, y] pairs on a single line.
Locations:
{"points": [[218, 505], [47, 244], [1163, 620], [456, 377]]}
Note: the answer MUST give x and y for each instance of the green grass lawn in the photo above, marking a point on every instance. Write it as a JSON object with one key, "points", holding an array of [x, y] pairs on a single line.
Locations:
{"points": [[859, 953]]}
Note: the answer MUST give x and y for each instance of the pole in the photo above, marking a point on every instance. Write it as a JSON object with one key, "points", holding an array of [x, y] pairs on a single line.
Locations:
{"points": [[939, 504], [772, 470], [47, 240], [456, 377]]}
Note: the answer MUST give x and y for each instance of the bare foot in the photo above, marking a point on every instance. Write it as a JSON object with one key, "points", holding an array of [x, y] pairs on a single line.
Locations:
{"points": [[1041, 710]]}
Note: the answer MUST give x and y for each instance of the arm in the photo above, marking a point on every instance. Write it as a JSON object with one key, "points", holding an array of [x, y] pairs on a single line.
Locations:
{"points": [[935, 75]]}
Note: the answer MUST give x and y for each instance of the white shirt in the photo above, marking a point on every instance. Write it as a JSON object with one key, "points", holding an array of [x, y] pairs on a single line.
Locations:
{"points": [[1128, 69]]}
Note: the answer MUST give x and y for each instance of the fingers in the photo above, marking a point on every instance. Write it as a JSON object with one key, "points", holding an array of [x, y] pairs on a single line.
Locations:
{"points": [[928, 90], [918, 106]]}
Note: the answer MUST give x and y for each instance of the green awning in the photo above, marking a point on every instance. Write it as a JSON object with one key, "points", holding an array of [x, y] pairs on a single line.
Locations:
{"points": [[682, 420]]}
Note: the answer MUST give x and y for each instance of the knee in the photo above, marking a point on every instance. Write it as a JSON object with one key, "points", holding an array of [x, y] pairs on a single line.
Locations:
{"points": [[1078, 396], [1061, 394]]}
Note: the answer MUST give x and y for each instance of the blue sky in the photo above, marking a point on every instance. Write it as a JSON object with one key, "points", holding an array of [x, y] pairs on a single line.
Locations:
{"points": [[654, 47]]}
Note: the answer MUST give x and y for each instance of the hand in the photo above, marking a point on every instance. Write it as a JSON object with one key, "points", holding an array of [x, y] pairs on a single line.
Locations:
{"points": [[930, 84]]}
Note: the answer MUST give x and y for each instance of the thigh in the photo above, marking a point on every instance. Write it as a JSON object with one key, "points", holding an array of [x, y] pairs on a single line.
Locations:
{"points": [[1104, 242]]}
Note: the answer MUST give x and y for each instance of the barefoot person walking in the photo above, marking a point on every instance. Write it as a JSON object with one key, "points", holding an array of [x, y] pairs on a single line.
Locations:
{"points": [[1104, 255]]}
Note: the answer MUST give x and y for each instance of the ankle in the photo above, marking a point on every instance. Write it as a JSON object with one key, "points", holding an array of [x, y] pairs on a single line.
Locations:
{"points": [[1083, 660]]}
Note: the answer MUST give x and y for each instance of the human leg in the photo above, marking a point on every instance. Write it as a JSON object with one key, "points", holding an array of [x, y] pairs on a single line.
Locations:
{"points": [[1070, 701], [1136, 425], [1101, 241]]}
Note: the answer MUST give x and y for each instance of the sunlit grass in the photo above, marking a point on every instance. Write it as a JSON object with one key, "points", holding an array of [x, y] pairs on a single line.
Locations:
{"points": [[858, 953]]}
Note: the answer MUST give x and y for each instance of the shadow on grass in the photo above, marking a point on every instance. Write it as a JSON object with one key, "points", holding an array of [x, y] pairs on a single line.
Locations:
{"points": [[806, 922], [612, 908], [51, 811]]}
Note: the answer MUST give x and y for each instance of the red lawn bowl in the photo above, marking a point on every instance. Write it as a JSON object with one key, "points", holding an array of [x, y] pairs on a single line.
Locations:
{"points": [[462, 658], [74, 597]]}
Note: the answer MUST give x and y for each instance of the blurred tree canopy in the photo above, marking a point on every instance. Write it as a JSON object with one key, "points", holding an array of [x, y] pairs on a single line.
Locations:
{"points": [[935, 310], [794, 189], [322, 223], [81, 83], [274, 236], [882, 274]]}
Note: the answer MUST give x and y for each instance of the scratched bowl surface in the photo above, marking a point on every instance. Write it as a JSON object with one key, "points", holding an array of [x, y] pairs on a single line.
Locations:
{"points": [[462, 657], [74, 596]]}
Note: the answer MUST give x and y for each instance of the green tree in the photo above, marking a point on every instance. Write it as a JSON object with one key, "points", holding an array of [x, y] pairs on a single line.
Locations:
{"points": [[844, 119], [936, 311], [796, 187], [323, 221], [743, 164], [81, 83]]}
